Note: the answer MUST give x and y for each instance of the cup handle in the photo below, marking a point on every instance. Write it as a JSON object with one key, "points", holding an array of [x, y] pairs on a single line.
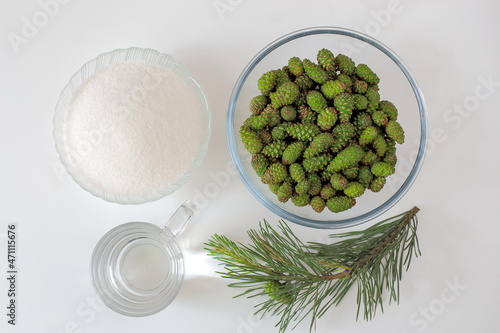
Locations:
{"points": [[178, 221]]}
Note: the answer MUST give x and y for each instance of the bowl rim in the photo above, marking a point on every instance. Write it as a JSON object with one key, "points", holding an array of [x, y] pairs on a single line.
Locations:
{"points": [[101, 61], [332, 224]]}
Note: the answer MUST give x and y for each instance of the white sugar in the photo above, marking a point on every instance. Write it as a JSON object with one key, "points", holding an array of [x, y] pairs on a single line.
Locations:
{"points": [[132, 129]]}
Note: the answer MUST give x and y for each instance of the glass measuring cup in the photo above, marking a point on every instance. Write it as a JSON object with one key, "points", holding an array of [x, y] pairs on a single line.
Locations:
{"points": [[137, 268]]}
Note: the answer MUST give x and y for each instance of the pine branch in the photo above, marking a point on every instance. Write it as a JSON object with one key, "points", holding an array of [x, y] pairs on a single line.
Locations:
{"points": [[301, 280], [376, 257]]}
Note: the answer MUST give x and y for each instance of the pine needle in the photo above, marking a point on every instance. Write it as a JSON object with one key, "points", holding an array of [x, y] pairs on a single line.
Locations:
{"points": [[306, 280]]}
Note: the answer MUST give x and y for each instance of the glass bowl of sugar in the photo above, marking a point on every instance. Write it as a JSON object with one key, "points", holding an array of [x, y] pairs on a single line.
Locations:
{"points": [[132, 126]]}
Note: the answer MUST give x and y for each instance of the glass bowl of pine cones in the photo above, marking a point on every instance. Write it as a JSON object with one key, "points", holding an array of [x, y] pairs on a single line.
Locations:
{"points": [[327, 127]]}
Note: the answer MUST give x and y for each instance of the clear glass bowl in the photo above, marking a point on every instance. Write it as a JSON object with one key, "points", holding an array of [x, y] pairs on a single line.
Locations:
{"points": [[72, 90], [397, 85]]}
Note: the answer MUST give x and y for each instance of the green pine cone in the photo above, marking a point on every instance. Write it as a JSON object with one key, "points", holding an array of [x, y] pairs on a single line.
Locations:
{"points": [[365, 176], [326, 59], [332, 75], [327, 118], [297, 172], [339, 204], [288, 113], [274, 187], [295, 66], [259, 163], [265, 136], [273, 115], [370, 158], [316, 184], [257, 122], [365, 73], [301, 100], [368, 135], [373, 97], [257, 104], [304, 82], [303, 132], [354, 190], [351, 173], [345, 64], [379, 118], [285, 192], [327, 191], [360, 87], [286, 94], [390, 158], [280, 132], [315, 72], [332, 88], [362, 120], [293, 152], [303, 186], [275, 173], [306, 115], [344, 103], [346, 79], [274, 290], [316, 100], [395, 131], [372, 107], [338, 181], [316, 163], [377, 184], [318, 204], [382, 169], [380, 145], [301, 200], [282, 76], [275, 149], [389, 109], [391, 145], [373, 94], [251, 140], [319, 144], [343, 132], [347, 158], [325, 175], [360, 102], [267, 82], [338, 145]]}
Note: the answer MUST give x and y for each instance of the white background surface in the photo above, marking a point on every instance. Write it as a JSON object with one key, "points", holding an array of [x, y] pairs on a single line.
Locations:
{"points": [[451, 47]]}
